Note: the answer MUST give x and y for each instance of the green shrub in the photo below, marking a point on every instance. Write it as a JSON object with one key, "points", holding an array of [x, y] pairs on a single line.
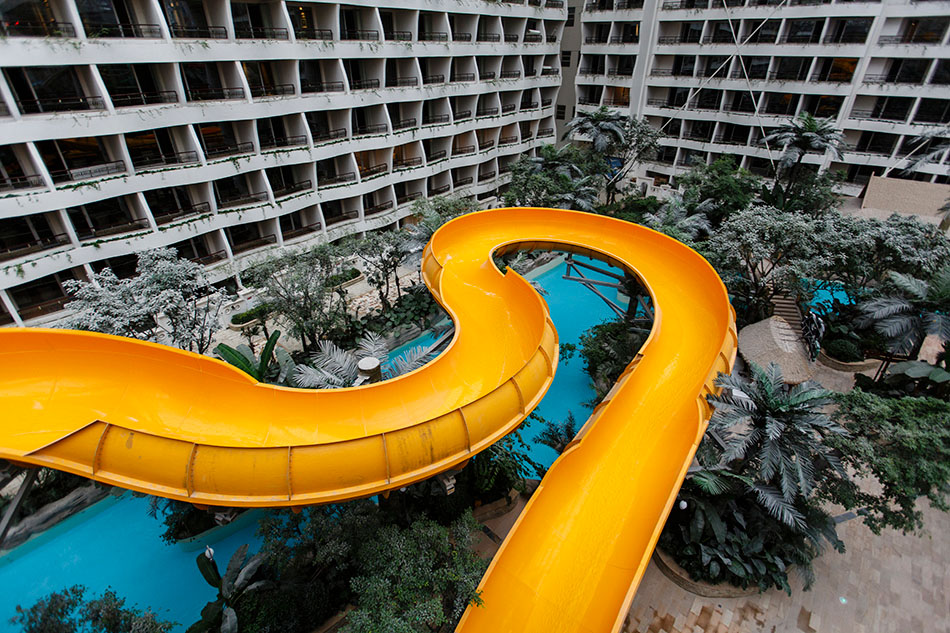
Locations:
{"points": [[343, 276], [68, 611], [259, 311], [607, 349], [844, 350]]}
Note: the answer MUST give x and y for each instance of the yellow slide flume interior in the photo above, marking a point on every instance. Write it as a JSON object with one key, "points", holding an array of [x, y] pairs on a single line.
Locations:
{"points": [[179, 425]]}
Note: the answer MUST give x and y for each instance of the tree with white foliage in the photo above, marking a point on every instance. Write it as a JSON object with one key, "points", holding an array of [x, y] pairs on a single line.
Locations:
{"points": [[168, 299]]}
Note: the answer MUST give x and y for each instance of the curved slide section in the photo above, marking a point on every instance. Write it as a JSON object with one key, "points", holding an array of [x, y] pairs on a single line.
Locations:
{"points": [[175, 424]]}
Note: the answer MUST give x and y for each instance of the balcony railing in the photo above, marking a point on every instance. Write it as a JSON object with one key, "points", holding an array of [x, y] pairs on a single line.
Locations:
{"points": [[463, 77], [409, 197], [405, 123], [83, 173], [248, 32], [398, 36], [345, 215], [272, 90], [294, 187], [243, 247], [488, 175], [402, 82], [508, 140], [510, 74], [462, 150], [113, 229], [546, 131], [378, 208], [549, 72], [439, 155], [323, 86], [183, 212], [375, 170], [319, 136], [529, 105], [461, 37], [467, 180], [487, 37], [211, 258], [37, 29], [199, 32], [32, 246], [364, 84], [313, 34], [532, 38], [214, 94], [554, 4], [238, 199], [407, 163], [546, 102], [302, 230], [432, 119], [838, 78], [152, 159], [283, 141], [596, 39], [483, 145], [433, 36], [216, 151], [620, 72], [624, 39], [846, 38], [20, 182], [40, 309], [143, 98], [59, 104], [123, 30], [486, 112], [486, 75], [869, 115], [433, 79], [336, 179], [511, 38], [360, 34], [375, 128], [508, 107], [887, 79], [462, 114], [440, 189]]}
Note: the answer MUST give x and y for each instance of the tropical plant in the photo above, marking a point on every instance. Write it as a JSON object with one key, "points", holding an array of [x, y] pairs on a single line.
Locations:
{"points": [[416, 579], [607, 348], [382, 253], [296, 285], [902, 445], [274, 365], [625, 140], [556, 177], [917, 308], [722, 188], [556, 435], [762, 251], [431, 213], [799, 137], [334, 368], [220, 614], [68, 611], [675, 220], [775, 438], [169, 298], [931, 143]]}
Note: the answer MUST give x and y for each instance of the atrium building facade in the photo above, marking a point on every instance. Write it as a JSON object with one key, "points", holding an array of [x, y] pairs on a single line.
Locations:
{"points": [[717, 76], [224, 129]]}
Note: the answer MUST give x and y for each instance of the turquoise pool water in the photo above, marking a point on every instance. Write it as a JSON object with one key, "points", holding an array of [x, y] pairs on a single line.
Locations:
{"points": [[116, 544]]}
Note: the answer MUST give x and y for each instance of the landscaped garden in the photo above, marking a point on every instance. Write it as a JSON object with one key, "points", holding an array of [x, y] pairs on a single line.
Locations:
{"points": [[779, 461]]}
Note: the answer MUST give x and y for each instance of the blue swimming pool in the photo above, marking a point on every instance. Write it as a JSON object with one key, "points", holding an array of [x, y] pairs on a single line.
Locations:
{"points": [[116, 544]]}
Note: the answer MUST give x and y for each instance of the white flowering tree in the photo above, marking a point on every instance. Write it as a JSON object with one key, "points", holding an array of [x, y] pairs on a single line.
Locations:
{"points": [[168, 299]]}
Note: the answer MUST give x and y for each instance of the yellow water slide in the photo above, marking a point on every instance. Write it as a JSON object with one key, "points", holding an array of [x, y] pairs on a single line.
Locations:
{"points": [[175, 424]]}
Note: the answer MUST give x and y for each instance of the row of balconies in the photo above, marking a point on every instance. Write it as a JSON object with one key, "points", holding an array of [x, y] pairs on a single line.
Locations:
{"points": [[39, 90], [221, 19]]}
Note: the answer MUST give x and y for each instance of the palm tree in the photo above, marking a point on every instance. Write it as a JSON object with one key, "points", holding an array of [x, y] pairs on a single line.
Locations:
{"points": [[334, 367], [772, 436], [800, 136], [920, 308], [605, 128], [582, 197], [934, 145], [557, 435], [673, 219]]}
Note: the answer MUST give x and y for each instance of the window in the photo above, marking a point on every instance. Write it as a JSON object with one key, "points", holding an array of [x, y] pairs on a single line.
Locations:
{"points": [[561, 112], [565, 59], [570, 16]]}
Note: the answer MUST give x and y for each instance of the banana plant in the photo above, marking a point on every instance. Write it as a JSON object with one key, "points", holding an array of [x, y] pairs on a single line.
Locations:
{"points": [[235, 583], [274, 364]]}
